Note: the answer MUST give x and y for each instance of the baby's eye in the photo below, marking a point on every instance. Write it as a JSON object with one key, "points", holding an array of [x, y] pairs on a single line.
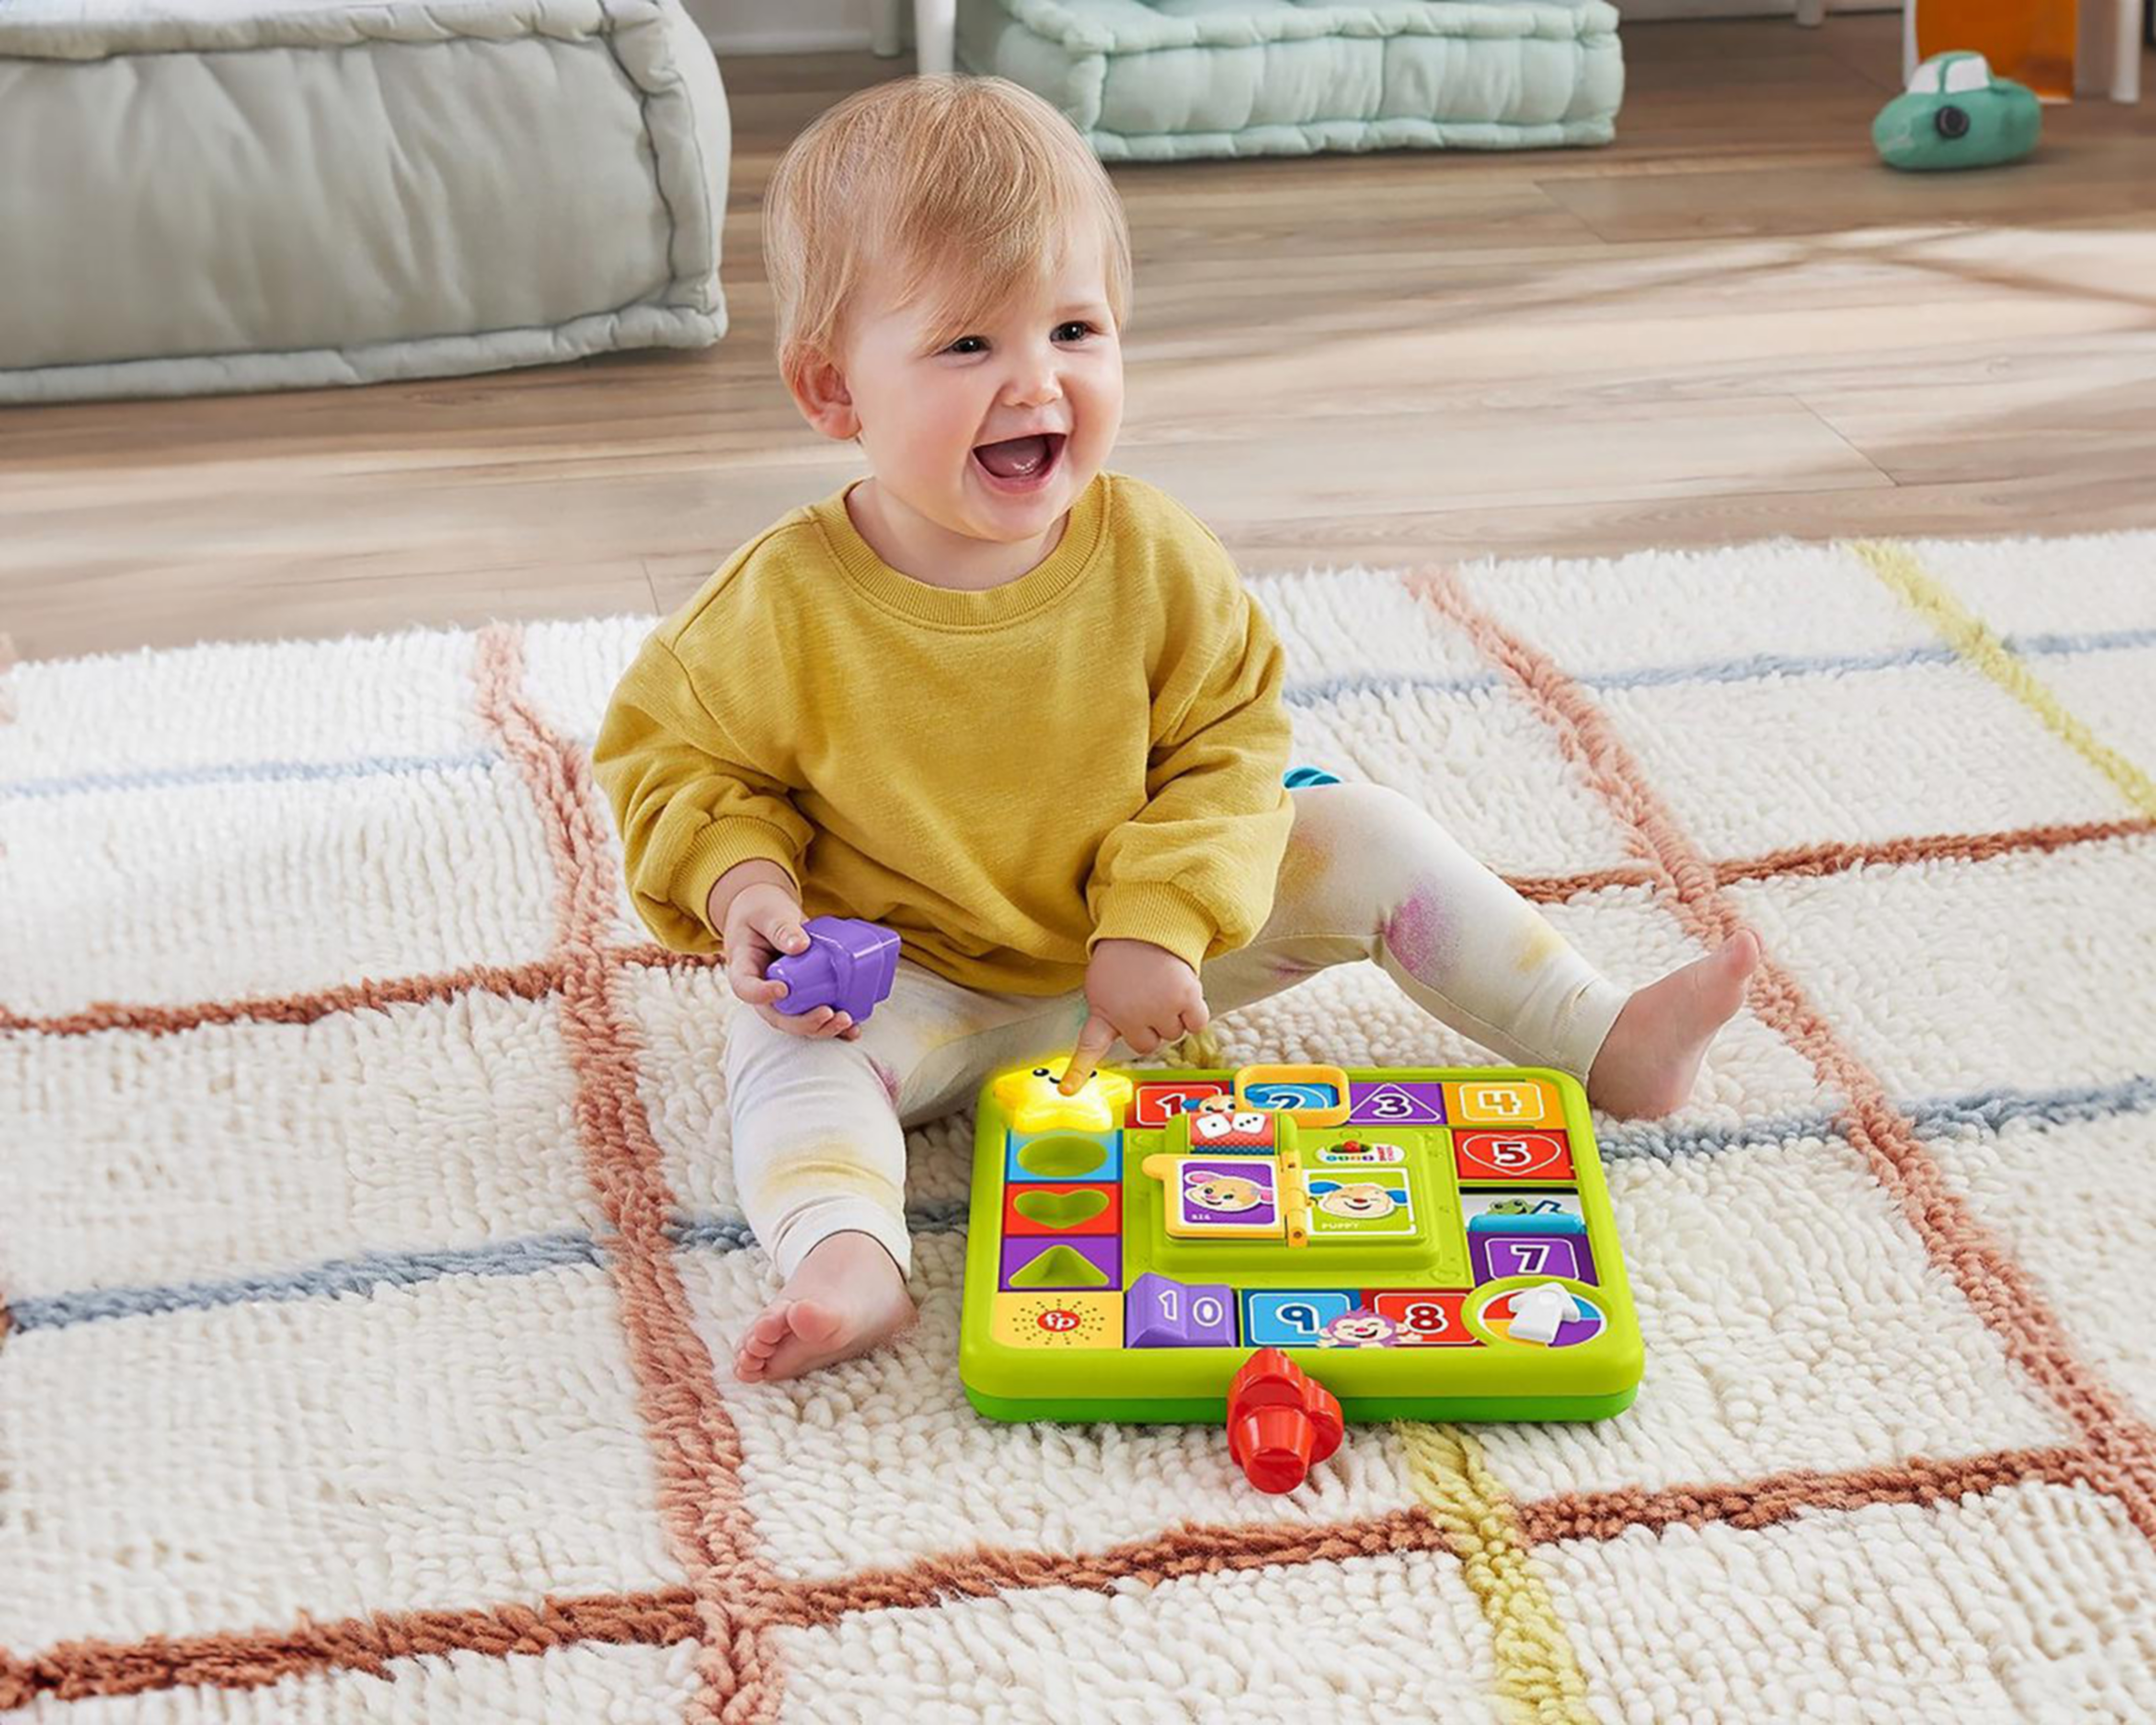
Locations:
{"points": [[1082, 328], [968, 344]]}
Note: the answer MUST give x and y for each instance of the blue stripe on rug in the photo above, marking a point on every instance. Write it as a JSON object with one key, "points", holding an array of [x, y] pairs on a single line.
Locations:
{"points": [[166, 778], [357, 1275], [1753, 668], [521, 1256], [1987, 1111]]}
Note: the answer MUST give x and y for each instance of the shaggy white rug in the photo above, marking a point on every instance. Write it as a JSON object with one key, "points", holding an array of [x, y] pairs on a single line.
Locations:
{"points": [[367, 1239]]}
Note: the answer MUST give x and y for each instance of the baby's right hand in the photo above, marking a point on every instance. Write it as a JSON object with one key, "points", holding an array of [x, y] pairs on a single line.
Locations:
{"points": [[763, 921]]}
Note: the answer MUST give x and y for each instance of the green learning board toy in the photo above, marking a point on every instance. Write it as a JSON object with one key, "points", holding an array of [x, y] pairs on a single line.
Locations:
{"points": [[1426, 1243]]}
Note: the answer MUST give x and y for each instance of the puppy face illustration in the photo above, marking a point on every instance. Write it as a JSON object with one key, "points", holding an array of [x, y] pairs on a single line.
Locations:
{"points": [[1222, 1192], [1361, 1201]]}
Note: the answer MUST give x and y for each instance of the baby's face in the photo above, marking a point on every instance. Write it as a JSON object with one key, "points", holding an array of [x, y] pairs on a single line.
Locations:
{"points": [[992, 435]]}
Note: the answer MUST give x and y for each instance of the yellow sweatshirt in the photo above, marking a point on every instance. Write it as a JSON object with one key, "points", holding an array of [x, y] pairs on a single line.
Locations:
{"points": [[1093, 750]]}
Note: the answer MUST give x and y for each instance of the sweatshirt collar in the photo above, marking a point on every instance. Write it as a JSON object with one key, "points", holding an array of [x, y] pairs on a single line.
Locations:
{"points": [[947, 607]]}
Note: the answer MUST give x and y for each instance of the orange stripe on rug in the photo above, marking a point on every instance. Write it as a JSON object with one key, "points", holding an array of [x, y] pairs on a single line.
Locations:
{"points": [[2122, 1448], [76, 1671], [84, 1670], [701, 1500], [1816, 859], [541, 977], [522, 982], [987, 1571], [1782, 1497]]}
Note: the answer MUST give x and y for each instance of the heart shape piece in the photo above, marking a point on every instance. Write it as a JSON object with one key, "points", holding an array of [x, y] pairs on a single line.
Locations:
{"points": [[1060, 1209]]}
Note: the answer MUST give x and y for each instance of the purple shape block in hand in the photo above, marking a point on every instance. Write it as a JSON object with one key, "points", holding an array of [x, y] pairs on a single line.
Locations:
{"points": [[848, 966]]}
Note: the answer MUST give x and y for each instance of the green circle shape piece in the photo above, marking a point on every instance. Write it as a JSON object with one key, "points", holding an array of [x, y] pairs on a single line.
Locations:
{"points": [[1064, 1157], [1061, 1209]]}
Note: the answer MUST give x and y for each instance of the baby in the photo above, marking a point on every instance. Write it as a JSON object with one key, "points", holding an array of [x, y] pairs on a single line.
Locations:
{"points": [[1020, 709]]}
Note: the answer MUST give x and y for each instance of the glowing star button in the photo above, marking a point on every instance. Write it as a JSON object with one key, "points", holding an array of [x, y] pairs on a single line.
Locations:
{"points": [[1032, 1103], [1538, 1313]]}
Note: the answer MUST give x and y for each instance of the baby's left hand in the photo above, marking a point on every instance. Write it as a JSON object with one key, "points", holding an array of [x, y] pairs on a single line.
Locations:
{"points": [[1137, 991]]}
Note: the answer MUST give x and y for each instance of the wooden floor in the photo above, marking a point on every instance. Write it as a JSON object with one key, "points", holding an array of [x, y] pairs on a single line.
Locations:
{"points": [[1732, 325]]}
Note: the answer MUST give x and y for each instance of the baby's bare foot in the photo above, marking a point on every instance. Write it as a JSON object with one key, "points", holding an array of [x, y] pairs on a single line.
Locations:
{"points": [[847, 1297], [1652, 1051]]}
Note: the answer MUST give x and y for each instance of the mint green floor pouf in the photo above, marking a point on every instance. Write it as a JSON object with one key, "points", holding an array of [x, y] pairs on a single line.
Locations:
{"points": [[199, 196], [1158, 82]]}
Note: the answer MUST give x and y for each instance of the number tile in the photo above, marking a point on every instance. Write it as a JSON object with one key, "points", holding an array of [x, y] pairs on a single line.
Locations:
{"points": [[1512, 1156], [1425, 1317], [1496, 1256]]}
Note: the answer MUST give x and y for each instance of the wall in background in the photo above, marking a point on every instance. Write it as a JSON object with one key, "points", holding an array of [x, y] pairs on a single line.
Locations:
{"points": [[794, 26], [781, 26]]}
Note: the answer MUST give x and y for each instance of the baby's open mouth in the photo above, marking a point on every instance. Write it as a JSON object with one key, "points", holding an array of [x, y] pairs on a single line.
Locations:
{"points": [[1020, 463]]}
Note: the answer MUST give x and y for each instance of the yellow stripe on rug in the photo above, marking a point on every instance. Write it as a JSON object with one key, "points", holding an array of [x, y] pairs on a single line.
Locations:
{"points": [[1539, 1678], [1974, 639]]}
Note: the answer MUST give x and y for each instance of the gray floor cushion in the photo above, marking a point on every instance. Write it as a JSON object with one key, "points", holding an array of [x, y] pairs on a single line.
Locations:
{"points": [[206, 195], [1153, 80]]}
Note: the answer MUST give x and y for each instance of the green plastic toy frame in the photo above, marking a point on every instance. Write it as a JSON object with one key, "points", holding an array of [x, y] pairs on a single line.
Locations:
{"points": [[1502, 1379]]}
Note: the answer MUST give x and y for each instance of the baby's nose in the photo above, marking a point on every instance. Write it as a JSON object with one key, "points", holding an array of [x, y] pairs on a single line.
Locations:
{"points": [[1036, 387]]}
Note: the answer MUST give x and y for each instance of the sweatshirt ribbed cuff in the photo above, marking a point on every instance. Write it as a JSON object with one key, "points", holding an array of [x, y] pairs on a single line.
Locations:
{"points": [[1153, 911], [718, 848]]}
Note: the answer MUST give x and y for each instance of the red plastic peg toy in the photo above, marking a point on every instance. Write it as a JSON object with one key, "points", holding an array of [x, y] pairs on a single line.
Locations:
{"points": [[1281, 1421]]}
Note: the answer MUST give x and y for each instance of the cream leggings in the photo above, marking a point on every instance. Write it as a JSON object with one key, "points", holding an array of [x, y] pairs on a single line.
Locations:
{"points": [[818, 1140]]}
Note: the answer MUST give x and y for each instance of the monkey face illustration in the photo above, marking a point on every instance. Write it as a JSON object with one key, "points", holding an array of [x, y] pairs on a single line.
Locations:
{"points": [[1358, 1329]]}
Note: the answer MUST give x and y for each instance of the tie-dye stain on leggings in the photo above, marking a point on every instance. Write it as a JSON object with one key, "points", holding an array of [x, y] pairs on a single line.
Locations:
{"points": [[818, 1127]]}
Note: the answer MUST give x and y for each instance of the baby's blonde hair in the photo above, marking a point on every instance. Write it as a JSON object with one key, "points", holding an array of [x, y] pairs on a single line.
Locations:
{"points": [[972, 187]]}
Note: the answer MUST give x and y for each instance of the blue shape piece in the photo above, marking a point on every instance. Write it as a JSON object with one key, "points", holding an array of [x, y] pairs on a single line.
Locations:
{"points": [[1275, 1097], [1559, 1224], [1296, 777], [1160, 1312], [1111, 1169], [1291, 1317]]}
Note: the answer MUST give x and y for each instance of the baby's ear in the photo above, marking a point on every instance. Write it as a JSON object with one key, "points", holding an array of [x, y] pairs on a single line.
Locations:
{"points": [[818, 389]]}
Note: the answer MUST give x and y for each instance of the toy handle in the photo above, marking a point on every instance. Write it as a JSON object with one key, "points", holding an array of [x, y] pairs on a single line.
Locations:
{"points": [[1281, 1420]]}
